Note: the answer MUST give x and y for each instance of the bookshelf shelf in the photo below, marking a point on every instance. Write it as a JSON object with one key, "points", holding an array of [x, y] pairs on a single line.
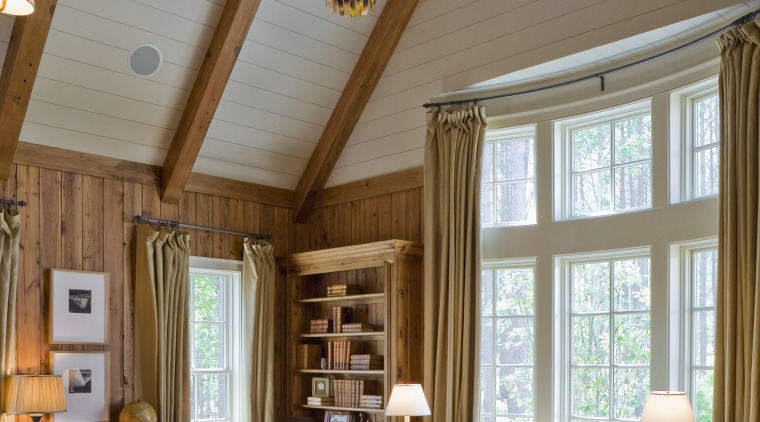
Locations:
{"points": [[389, 275], [347, 300], [345, 409], [344, 335], [342, 372]]}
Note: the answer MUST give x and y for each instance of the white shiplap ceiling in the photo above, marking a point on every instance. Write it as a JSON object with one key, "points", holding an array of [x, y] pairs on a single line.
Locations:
{"points": [[293, 67]]}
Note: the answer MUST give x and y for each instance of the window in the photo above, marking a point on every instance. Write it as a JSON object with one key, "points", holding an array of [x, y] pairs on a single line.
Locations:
{"points": [[215, 342], [608, 343], [705, 137], [508, 196], [695, 142], [608, 162], [703, 279], [507, 343]]}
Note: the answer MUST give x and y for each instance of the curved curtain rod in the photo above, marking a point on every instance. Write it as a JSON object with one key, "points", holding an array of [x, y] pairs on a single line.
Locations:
{"points": [[139, 219], [741, 21]]}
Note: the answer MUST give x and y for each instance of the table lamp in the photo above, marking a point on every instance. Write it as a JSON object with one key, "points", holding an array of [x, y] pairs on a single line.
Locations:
{"points": [[667, 406], [407, 400], [35, 395]]}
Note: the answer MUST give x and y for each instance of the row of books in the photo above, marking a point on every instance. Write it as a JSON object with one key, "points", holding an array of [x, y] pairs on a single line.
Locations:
{"points": [[342, 315], [348, 393], [371, 402], [320, 401], [309, 356], [366, 362], [339, 354], [321, 326], [357, 327], [343, 290]]}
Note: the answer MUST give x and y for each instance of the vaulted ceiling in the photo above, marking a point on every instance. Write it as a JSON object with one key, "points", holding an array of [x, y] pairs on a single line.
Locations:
{"points": [[294, 65]]}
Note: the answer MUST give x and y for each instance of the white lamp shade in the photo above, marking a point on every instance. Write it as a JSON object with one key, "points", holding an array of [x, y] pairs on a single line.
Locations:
{"points": [[407, 400], [34, 394], [667, 406], [17, 7]]}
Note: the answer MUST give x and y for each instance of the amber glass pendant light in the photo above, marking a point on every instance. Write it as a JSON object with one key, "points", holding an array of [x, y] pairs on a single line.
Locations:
{"points": [[351, 8]]}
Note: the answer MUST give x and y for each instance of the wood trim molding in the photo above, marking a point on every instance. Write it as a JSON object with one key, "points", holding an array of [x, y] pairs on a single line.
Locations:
{"points": [[129, 171], [368, 188], [215, 71], [22, 61], [362, 82]]}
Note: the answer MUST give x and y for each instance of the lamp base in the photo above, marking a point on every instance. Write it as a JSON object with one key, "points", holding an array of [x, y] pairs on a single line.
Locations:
{"points": [[36, 417]]}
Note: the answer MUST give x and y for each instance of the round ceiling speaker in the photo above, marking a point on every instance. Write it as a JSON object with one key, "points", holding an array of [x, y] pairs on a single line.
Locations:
{"points": [[145, 60]]}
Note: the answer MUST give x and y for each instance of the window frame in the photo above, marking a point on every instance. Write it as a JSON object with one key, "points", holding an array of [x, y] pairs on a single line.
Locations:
{"points": [[682, 302], [564, 158], [510, 134], [232, 272], [563, 321], [494, 266], [682, 133]]}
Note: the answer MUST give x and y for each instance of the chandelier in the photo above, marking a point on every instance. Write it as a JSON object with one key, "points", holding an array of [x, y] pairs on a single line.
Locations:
{"points": [[16, 7], [351, 7]]}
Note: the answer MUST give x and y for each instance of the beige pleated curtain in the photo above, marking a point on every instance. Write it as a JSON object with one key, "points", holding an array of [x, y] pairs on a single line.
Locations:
{"points": [[10, 227], [737, 354], [453, 155], [162, 355], [259, 325]]}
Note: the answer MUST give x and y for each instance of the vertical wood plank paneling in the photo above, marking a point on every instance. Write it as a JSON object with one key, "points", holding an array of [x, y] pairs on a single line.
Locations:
{"points": [[30, 325], [92, 223], [385, 217], [133, 205], [203, 209], [187, 215], [398, 217], [219, 219], [113, 265], [71, 221], [235, 221]]}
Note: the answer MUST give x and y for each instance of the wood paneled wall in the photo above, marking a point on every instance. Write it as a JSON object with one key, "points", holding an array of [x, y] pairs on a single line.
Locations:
{"points": [[81, 222], [396, 215]]}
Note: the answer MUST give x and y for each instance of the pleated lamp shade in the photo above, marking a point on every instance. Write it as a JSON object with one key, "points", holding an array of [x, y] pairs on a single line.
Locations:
{"points": [[34, 394], [17, 7], [667, 406]]}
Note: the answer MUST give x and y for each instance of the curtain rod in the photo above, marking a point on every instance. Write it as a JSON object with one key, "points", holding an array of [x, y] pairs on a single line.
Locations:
{"points": [[13, 203], [741, 21], [139, 219]]}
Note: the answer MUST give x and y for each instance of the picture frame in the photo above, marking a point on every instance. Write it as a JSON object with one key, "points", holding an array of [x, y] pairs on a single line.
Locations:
{"points": [[85, 384], [78, 307], [320, 387], [340, 418]]}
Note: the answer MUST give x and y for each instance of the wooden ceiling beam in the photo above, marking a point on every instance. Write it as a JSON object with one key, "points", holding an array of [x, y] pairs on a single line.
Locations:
{"points": [[22, 61], [215, 71], [362, 82]]}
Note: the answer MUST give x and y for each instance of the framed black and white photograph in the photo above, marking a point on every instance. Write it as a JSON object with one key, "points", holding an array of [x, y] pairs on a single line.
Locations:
{"points": [[340, 418], [85, 385], [320, 387], [78, 307]]}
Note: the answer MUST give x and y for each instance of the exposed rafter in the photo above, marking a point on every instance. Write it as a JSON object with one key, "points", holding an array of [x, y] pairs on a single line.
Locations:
{"points": [[222, 54], [22, 61], [364, 78]]}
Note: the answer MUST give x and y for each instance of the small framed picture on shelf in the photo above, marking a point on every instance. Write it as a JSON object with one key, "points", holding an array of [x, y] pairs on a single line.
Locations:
{"points": [[320, 387], [340, 418], [78, 307]]}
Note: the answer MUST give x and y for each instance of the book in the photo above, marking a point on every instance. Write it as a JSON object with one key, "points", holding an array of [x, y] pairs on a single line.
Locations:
{"points": [[321, 326], [341, 315], [343, 290], [357, 327], [309, 356]]}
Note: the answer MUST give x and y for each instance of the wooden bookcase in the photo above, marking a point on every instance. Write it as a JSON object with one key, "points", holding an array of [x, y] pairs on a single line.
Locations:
{"points": [[390, 274]]}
